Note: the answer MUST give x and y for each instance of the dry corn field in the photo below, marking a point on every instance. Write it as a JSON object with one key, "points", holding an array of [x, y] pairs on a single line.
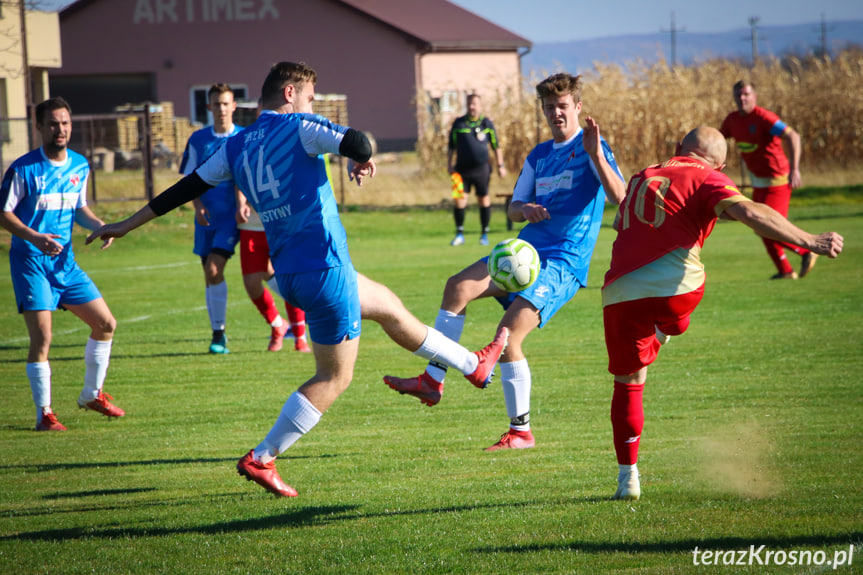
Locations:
{"points": [[643, 111]]}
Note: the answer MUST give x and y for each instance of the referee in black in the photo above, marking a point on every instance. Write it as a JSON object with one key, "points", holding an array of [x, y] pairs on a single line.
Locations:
{"points": [[467, 158]]}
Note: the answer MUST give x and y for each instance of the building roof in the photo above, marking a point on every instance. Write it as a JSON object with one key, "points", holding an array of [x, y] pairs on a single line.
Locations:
{"points": [[437, 24], [440, 25]]}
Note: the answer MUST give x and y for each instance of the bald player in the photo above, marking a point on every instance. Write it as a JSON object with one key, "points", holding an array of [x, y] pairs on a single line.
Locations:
{"points": [[656, 278]]}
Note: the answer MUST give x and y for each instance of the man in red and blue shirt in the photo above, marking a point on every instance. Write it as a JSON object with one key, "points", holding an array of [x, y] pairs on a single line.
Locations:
{"points": [[759, 134]]}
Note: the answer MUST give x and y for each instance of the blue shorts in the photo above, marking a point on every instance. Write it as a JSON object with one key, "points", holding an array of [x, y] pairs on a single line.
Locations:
{"points": [[331, 299], [555, 285], [46, 283], [218, 239]]}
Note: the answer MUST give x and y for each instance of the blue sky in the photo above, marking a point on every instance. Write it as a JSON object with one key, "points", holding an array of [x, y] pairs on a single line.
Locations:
{"points": [[562, 20]]}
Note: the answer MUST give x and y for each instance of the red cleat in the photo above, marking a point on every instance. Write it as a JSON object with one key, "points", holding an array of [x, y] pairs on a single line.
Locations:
{"points": [[49, 423], [424, 387], [277, 337], [488, 357], [513, 439], [103, 405], [265, 475], [302, 345]]}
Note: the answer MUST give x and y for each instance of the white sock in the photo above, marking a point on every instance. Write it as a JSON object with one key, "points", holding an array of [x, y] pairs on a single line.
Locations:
{"points": [[297, 418], [624, 469], [277, 322], [515, 380], [39, 375], [97, 356], [217, 305], [451, 325], [274, 286], [438, 348]]}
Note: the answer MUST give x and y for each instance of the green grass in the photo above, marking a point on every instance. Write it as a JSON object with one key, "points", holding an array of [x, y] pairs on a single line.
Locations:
{"points": [[752, 431]]}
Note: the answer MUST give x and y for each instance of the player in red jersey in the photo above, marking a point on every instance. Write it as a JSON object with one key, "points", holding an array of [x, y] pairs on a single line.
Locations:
{"points": [[657, 279], [759, 134], [257, 271]]}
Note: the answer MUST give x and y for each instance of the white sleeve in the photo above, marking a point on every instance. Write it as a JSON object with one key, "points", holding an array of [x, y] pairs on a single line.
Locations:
{"points": [[82, 197], [525, 187], [216, 168], [191, 160], [17, 191], [320, 138]]}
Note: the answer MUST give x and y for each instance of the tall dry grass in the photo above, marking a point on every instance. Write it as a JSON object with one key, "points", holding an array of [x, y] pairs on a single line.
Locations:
{"points": [[644, 110]]}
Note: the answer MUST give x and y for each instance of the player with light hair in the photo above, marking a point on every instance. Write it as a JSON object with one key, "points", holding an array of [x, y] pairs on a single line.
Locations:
{"points": [[656, 278], [561, 193]]}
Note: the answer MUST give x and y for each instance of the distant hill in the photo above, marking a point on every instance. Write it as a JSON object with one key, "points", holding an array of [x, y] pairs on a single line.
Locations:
{"points": [[578, 56]]}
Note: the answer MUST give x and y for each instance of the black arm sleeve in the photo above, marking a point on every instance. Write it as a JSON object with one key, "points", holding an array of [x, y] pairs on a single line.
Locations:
{"points": [[187, 189], [356, 146]]}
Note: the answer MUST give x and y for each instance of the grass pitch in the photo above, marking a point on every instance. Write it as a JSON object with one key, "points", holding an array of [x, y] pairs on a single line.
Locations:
{"points": [[751, 436]]}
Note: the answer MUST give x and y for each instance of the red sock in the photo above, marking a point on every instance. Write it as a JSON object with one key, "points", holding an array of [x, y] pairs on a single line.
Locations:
{"points": [[297, 317], [267, 307], [627, 420]]}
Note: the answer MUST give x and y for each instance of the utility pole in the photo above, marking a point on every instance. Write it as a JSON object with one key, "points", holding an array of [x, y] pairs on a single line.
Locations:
{"points": [[753, 24], [674, 30], [823, 52]]}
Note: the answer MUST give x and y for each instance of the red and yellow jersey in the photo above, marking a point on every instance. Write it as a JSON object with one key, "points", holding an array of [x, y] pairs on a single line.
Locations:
{"points": [[668, 212], [758, 136]]}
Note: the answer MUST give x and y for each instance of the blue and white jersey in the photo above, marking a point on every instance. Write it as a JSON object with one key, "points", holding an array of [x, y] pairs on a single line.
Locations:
{"points": [[278, 164], [563, 179], [221, 203], [44, 195]]}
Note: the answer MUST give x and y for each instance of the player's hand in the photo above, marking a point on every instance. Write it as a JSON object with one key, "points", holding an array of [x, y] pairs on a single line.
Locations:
{"points": [[828, 244], [361, 171], [202, 216], [534, 213], [107, 233], [501, 171], [590, 139], [243, 213], [47, 245], [796, 180]]}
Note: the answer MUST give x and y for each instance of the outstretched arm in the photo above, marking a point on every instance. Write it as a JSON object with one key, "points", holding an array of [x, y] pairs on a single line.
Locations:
{"points": [[189, 188], [770, 224]]}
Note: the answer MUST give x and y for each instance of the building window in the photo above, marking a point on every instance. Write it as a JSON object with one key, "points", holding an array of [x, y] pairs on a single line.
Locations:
{"points": [[198, 102], [450, 103]]}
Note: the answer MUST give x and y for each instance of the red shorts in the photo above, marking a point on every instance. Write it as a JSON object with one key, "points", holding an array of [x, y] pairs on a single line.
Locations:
{"points": [[254, 252], [630, 328]]}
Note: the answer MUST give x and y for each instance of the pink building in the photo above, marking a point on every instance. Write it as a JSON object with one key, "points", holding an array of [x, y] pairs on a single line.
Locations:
{"points": [[380, 54]]}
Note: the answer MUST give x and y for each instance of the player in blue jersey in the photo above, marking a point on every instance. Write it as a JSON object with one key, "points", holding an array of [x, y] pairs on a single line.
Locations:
{"points": [[42, 195], [216, 231], [561, 193], [278, 164]]}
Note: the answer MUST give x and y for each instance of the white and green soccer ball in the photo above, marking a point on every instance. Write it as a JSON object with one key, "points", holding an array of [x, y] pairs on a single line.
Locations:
{"points": [[513, 265]]}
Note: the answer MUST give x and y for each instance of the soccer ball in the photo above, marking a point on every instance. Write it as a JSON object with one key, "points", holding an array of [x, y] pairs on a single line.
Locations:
{"points": [[513, 265]]}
